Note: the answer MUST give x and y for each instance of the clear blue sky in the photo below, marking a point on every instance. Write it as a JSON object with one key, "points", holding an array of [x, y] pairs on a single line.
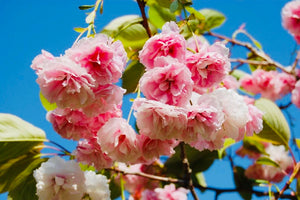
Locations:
{"points": [[29, 26]]}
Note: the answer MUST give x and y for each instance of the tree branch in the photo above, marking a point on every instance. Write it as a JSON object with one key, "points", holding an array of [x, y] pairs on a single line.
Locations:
{"points": [[253, 50], [145, 24], [188, 183]]}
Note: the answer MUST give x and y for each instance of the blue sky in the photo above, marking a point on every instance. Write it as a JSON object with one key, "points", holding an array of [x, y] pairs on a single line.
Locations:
{"points": [[29, 26]]}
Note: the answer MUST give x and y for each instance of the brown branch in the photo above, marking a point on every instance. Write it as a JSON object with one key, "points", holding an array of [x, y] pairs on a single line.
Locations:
{"points": [[288, 183], [255, 192], [252, 62], [195, 185], [145, 24], [188, 183], [150, 176], [253, 50]]}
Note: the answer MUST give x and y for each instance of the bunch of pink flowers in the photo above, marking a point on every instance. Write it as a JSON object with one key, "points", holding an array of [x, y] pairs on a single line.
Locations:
{"points": [[189, 97]]}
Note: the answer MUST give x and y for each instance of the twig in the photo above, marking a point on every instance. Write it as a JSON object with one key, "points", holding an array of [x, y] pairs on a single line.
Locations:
{"points": [[187, 171], [253, 50], [145, 24], [288, 183], [255, 192], [150, 176]]}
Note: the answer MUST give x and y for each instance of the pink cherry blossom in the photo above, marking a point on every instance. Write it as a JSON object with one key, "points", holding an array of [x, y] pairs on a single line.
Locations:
{"points": [[74, 124], [89, 152], [255, 123], [104, 59], [65, 83], [236, 116], [59, 179], [171, 84], [196, 44], [40, 60], [118, 139], [168, 43], [210, 66], [270, 84], [291, 17], [96, 186], [169, 192], [149, 195], [270, 172], [296, 94], [204, 121], [108, 98], [158, 120], [152, 149]]}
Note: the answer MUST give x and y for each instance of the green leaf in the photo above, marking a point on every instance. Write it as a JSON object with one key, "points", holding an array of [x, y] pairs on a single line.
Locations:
{"points": [[252, 67], [174, 6], [213, 19], [196, 13], [297, 140], [46, 104], [266, 161], [20, 155], [298, 188], [13, 128], [249, 143], [132, 75], [86, 7], [275, 126], [242, 183], [24, 186], [129, 30], [79, 29], [238, 74], [91, 17], [200, 180], [115, 189], [199, 161], [162, 3], [158, 15], [228, 142]]}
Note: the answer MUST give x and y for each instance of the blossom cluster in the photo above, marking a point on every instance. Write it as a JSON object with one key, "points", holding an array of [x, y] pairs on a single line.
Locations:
{"points": [[184, 97], [291, 18], [189, 97], [61, 179], [271, 173]]}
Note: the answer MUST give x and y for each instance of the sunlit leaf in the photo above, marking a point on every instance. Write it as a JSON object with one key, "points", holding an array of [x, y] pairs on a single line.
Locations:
{"points": [[200, 180], [129, 30], [13, 128], [297, 140], [158, 15], [266, 161], [90, 18], [86, 7], [79, 29], [213, 19], [195, 12], [46, 104], [228, 142], [20, 155], [275, 126], [242, 183], [132, 75], [238, 74]]}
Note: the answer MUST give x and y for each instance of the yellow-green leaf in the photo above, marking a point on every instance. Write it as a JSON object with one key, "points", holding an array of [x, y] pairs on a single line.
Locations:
{"points": [[46, 104], [275, 126]]}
